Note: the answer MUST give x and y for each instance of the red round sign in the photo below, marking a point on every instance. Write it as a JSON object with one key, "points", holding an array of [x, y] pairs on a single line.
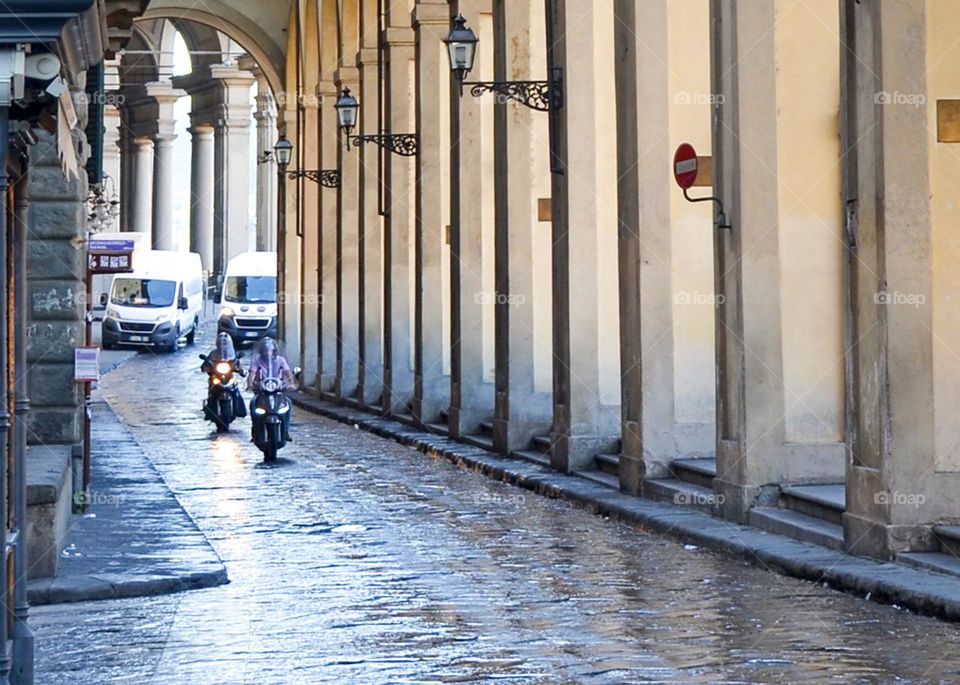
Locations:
{"points": [[685, 166]]}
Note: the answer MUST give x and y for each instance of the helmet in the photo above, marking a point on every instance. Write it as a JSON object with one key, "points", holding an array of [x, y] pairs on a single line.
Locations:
{"points": [[269, 348], [225, 348]]}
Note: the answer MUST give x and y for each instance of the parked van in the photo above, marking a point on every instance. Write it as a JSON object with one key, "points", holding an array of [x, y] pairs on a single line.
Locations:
{"points": [[248, 299], [156, 305]]}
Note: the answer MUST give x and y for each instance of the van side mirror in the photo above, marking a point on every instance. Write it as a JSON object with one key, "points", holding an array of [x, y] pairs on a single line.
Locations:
{"points": [[103, 299], [183, 304]]}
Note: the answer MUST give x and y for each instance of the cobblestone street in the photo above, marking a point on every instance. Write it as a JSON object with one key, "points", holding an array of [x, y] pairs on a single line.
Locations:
{"points": [[358, 560]]}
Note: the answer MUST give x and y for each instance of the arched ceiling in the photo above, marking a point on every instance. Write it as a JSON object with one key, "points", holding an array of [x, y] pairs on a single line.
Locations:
{"points": [[257, 26]]}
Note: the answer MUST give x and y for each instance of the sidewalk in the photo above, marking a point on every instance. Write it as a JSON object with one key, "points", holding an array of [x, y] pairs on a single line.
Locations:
{"points": [[891, 583], [136, 539]]}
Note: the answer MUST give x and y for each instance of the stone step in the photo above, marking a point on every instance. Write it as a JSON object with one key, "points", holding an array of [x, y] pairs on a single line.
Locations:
{"points": [[697, 471], [486, 428], [608, 464], [479, 440], [826, 502], [405, 417], [948, 537], [532, 456], [680, 492], [938, 562], [542, 443], [444, 417], [438, 428], [798, 526], [600, 477]]}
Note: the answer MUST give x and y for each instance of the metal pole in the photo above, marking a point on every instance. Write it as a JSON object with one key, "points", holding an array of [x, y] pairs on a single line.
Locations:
{"points": [[22, 635], [8, 540], [282, 251]]}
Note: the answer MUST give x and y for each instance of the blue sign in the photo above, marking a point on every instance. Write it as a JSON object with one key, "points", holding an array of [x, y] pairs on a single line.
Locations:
{"points": [[111, 246]]}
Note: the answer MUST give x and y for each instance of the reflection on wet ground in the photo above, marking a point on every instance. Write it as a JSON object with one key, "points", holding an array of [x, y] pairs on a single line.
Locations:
{"points": [[362, 561]]}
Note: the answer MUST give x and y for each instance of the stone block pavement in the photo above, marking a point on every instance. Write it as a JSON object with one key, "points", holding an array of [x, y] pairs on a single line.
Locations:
{"points": [[135, 539]]}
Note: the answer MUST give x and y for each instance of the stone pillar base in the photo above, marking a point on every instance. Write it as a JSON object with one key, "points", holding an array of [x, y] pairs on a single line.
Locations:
{"points": [[882, 540], [734, 500]]}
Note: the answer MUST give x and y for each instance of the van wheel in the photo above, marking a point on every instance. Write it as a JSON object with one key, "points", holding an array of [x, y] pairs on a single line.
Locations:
{"points": [[192, 335], [176, 341]]}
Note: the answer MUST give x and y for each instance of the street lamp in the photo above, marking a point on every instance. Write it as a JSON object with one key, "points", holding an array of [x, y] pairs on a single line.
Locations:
{"points": [[403, 144], [543, 96], [283, 152], [347, 107], [462, 49]]}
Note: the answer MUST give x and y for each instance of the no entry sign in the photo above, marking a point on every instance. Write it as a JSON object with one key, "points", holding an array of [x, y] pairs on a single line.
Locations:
{"points": [[685, 166]]}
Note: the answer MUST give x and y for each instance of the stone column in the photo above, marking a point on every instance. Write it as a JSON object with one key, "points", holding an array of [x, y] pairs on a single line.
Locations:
{"points": [[584, 424], [232, 165], [266, 118], [201, 194], [164, 232], [348, 261], [309, 282], [164, 236], [141, 200], [521, 413], [371, 238], [432, 385], [398, 225], [903, 470], [329, 156], [471, 400]]}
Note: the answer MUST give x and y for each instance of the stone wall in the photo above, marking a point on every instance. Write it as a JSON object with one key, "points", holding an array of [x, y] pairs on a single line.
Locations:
{"points": [[55, 274]]}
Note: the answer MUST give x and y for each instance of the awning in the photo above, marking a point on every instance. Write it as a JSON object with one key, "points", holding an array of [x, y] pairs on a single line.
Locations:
{"points": [[37, 21]]}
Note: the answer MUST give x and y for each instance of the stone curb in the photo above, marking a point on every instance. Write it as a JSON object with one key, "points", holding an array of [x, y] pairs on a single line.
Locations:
{"points": [[885, 582], [111, 586]]}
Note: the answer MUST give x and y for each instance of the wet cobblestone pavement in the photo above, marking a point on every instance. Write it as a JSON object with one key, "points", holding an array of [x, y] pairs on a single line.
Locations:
{"points": [[358, 560]]}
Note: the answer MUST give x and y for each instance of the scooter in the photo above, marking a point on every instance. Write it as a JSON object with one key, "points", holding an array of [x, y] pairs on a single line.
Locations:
{"points": [[224, 402], [271, 409]]}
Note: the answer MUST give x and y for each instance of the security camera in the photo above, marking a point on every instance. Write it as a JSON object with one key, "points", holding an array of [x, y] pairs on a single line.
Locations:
{"points": [[42, 66]]}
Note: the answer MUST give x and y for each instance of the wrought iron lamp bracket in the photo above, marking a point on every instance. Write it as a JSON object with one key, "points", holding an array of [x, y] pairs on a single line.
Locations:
{"points": [[403, 144], [542, 96]]}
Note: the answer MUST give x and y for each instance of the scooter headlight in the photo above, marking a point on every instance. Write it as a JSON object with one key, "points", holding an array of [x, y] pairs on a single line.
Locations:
{"points": [[215, 380], [224, 368], [259, 411]]}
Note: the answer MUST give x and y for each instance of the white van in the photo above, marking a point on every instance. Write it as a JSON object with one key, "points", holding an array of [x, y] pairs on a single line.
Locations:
{"points": [[156, 305], [248, 299]]}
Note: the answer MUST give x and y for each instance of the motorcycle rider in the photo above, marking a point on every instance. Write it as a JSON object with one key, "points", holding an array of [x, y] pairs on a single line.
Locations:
{"points": [[269, 362], [226, 352]]}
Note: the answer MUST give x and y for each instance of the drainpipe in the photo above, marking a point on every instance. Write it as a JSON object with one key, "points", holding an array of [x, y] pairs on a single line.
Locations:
{"points": [[9, 542], [22, 635]]}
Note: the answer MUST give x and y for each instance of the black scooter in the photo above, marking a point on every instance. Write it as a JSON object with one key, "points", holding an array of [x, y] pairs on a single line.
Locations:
{"points": [[271, 410], [224, 402]]}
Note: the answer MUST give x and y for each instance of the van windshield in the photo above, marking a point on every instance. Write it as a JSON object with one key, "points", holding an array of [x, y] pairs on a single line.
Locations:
{"points": [[143, 292], [250, 289]]}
